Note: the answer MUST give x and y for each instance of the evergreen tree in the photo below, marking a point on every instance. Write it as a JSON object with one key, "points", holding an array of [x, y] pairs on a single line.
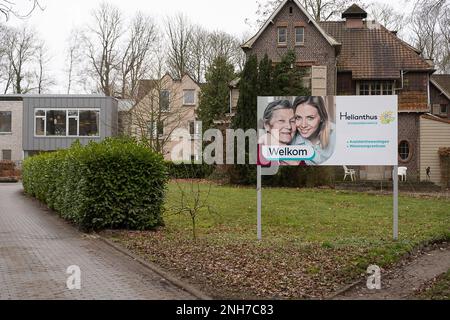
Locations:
{"points": [[246, 112], [288, 78], [265, 77], [246, 118], [215, 96]]}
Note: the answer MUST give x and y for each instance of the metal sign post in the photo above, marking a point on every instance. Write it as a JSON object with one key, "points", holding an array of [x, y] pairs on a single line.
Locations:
{"points": [[395, 194], [259, 200]]}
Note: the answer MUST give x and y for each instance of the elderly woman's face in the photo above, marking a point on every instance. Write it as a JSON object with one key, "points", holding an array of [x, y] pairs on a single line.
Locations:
{"points": [[307, 120], [282, 125]]}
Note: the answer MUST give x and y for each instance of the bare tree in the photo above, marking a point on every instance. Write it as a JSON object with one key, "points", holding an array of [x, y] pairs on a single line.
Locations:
{"points": [[386, 15], [158, 113], [193, 201], [444, 27], [321, 10], [43, 78], [198, 53], [101, 42], [74, 59], [136, 56], [8, 7], [179, 33], [222, 44], [424, 23], [21, 47], [206, 46]]}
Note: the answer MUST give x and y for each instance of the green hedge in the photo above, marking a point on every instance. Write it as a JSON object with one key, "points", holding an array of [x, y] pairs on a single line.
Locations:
{"points": [[116, 184], [189, 170]]}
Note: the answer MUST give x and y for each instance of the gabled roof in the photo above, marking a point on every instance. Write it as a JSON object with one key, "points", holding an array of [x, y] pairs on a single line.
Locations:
{"points": [[430, 116], [374, 52], [354, 11], [330, 40], [442, 83]]}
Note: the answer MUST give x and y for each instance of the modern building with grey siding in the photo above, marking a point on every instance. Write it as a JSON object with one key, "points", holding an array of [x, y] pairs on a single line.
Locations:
{"points": [[52, 122]]}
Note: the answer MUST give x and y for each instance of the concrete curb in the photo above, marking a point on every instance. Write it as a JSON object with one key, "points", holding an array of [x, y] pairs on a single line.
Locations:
{"points": [[344, 290], [175, 281]]}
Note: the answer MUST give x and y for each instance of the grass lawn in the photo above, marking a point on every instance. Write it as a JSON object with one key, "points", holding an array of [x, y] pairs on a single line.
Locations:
{"points": [[439, 290], [314, 241]]}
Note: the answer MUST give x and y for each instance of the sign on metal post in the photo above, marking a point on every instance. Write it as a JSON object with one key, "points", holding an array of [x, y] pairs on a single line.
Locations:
{"points": [[395, 194], [327, 131]]}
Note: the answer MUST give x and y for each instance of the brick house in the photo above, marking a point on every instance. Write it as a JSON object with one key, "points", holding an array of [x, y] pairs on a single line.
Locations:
{"points": [[162, 108], [355, 56]]}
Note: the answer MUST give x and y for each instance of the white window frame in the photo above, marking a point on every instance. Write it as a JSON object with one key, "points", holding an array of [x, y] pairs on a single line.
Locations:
{"points": [[67, 122], [8, 132], [184, 97], [154, 129], [303, 42], [196, 134], [371, 84], [285, 34], [77, 117]]}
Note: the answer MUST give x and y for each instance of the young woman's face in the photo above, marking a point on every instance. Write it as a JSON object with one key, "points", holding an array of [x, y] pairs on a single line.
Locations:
{"points": [[307, 120], [283, 125]]}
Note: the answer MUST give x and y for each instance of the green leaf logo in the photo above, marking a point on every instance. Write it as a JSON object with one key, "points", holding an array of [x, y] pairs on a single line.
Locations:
{"points": [[387, 117]]}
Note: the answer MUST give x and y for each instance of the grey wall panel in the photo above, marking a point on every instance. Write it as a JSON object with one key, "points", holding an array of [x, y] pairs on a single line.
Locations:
{"points": [[108, 116]]}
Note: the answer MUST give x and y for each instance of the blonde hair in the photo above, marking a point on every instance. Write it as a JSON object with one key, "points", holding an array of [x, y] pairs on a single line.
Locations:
{"points": [[325, 127]]}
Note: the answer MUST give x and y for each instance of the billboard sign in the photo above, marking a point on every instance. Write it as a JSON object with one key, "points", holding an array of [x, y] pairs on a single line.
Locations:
{"points": [[328, 131]]}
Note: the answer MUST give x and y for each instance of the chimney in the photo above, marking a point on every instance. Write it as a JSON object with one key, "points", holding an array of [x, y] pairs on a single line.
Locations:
{"points": [[354, 17]]}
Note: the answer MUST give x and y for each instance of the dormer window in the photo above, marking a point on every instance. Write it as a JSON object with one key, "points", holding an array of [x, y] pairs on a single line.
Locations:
{"points": [[282, 36]]}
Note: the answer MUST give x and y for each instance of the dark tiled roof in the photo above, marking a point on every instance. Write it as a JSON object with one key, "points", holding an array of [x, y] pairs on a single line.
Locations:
{"points": [[443, 80], [354, 11], [373, 53]]}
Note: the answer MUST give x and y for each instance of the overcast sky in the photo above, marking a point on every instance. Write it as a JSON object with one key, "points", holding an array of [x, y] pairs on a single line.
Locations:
{"points": [[59, 17]]}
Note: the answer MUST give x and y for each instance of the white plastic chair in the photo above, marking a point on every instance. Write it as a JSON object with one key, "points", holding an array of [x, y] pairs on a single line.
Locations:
{"points": [[349, 172], [402, 173]]}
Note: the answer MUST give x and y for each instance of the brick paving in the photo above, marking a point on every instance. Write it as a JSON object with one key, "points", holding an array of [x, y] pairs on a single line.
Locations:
{"points": [[37, 247]]}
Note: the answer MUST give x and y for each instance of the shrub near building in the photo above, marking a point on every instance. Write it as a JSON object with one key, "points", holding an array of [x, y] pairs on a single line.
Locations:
{"points": [[116, 184]]}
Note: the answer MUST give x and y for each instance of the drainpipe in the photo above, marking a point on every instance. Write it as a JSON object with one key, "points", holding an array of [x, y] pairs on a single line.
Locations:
{"points": [[402, 72], [428, 93]]}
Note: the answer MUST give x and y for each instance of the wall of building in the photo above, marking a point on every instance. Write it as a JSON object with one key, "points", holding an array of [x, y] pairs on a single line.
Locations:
{"points": [[13, 141], [414, 95], [108, 120], [437, 99], [433, 135], [346, 86], [315, 51], [408, 130], [178, 117]]}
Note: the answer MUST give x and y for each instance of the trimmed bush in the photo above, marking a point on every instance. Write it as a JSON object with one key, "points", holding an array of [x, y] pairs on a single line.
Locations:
{"points": [[115, 184], [189, 170]]}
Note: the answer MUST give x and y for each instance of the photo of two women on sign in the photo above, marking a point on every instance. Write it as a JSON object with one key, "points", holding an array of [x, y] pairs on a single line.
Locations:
{"points": [[298, 121]]}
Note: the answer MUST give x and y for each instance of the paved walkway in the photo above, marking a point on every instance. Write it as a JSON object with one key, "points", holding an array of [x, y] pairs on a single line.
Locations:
{"points": [[37, 247], [403, 281]]}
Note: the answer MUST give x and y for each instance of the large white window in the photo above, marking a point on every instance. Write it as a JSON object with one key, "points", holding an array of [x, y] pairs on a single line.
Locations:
{"points": [[188, 97], [5, 122], [376, 88], [67, 122]]}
